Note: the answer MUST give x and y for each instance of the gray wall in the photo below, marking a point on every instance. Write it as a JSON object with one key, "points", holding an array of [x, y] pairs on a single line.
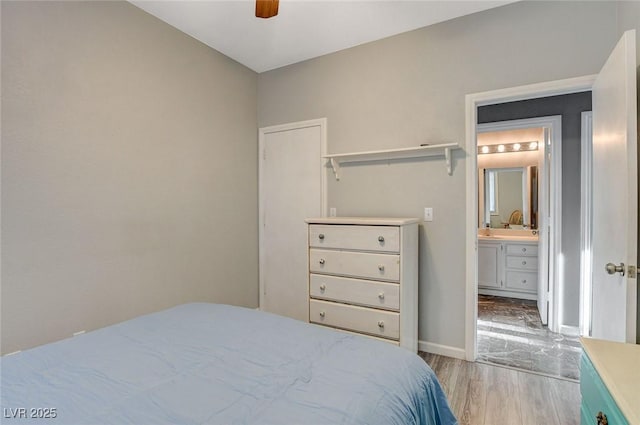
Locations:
{"points": [[570, 107], [410, 89], [628, 18], [129, 170]]}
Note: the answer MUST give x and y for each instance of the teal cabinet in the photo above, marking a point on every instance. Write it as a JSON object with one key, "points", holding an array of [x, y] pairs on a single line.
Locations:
{"points": [[609, 383], [598, 406]]}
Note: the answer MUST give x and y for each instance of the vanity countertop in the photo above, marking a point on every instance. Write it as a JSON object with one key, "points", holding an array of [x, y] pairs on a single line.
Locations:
{"points": [[617, 365]]}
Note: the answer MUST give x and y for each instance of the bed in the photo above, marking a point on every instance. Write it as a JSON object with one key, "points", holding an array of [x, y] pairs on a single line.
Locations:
{"points": [[206, 363]]}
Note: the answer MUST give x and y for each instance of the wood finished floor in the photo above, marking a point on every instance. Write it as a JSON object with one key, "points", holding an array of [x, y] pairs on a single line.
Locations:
{"points": [[482, 394]]}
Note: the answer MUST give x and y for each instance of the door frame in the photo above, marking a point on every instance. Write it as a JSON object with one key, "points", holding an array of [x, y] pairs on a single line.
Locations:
{"points": [[586, 187], [322, 163], [472, 102], [551, 173]]}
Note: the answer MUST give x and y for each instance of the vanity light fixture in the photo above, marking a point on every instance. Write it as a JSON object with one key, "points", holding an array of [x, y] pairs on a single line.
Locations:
{"points": [[508, 147]]}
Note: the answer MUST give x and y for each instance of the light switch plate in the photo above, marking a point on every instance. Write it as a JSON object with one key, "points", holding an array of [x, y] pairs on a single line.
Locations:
{"points": [[428, 214]]}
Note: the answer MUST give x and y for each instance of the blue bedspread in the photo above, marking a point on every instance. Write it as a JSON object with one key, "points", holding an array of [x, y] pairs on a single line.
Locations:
{"points": [[217, 364]]}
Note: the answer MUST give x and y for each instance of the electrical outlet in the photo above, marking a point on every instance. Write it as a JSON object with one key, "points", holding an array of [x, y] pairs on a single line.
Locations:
{"points": [[428, 214], [332, 212]]}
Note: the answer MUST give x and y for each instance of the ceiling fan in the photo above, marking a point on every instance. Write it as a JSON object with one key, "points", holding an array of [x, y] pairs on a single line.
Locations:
{"points": [[266, 8]]}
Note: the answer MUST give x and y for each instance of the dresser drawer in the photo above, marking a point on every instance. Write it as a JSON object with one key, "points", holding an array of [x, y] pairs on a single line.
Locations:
{"points": [[522, 263], [595, 397], [522, 249], [388, 341], [522, 281], [355, 291], [364, 238], [356, 264], [379, 323]]}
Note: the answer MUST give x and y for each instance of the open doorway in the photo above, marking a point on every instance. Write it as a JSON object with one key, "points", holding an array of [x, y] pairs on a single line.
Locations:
{"points": [[563, 317], [519, 196], [519, 239]]}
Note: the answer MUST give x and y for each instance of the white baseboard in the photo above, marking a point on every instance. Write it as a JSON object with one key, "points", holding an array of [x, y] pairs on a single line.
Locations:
{"points": [[442, 350], [570, 330]]}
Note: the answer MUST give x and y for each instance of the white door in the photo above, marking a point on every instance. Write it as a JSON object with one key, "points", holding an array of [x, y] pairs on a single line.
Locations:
{"points": [[547, 180], [615, 191], [292, 180]]}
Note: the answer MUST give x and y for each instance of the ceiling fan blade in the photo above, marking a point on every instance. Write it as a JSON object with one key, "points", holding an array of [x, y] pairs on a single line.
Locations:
{"points": [[266, 8]]}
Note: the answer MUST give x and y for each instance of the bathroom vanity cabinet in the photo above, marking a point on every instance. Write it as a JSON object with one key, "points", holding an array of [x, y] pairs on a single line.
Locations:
{"points": [[508, 268]]}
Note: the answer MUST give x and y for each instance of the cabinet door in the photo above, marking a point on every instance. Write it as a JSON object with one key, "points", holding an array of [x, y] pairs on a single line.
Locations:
{"points": [[489, 267]]}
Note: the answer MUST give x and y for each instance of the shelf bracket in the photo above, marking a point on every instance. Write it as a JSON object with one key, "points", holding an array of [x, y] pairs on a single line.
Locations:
{"points": [[335, 164], [447, 160]]}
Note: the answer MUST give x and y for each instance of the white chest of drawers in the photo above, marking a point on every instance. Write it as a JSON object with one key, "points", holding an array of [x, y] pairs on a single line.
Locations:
{"points": [[363, 276]]}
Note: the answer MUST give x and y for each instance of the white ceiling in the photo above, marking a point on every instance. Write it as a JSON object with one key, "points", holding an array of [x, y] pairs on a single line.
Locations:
{"points": [[303, 29]]}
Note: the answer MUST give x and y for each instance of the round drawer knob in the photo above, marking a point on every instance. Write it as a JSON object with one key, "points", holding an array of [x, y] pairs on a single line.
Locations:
{"points": [[381, 295], [524, 281], [524, 249], [602, 419], [524, 263], [321, 236], [321, 261], [380, 238], [381, 267], [322, 314], [380, 324], [323, 287]]}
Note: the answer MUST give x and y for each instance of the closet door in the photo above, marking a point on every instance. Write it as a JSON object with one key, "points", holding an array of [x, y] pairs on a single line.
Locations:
{"points": [[292, 181]]}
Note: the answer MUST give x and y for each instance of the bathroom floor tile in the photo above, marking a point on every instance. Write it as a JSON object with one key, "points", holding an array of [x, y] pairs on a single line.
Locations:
{"points": [[510, 333]]}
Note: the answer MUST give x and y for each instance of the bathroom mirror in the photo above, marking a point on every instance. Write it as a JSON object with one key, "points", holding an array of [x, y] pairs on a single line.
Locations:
{"points": [[508, 198]]}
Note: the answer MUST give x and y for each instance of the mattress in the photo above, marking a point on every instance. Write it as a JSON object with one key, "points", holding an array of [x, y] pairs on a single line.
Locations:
{"points": [[206, 363]]}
